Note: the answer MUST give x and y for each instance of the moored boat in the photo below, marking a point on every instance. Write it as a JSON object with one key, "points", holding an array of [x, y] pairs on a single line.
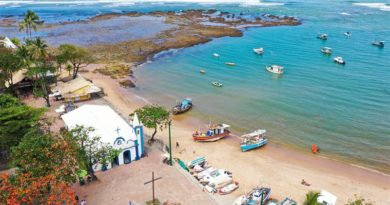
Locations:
{"points": [[275, 69], [228, 188], [217, 84], [216, 55], [183, 106], [214, 133], [254, 197], [348, 34], [339, 60], [253, 140], [230, 64], [202, 71], [323, 36], [378, 43], [259, 51], [326, 50]]}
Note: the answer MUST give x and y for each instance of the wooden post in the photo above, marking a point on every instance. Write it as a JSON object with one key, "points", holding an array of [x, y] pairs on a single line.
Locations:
{"points": [[170, 144], [152, 181]]}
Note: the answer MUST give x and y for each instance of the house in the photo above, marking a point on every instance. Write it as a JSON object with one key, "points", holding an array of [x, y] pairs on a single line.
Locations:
{"points": [[7, 43], [77, 89], [112, 129]]}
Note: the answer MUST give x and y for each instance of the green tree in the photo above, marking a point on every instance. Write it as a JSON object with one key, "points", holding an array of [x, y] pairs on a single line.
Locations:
{"points": [[153, 117], [39, 154], [91, 150], [9, 64], [30, 22], [311, 198], [358, 200], [37, 49], [16, 120], [77, 56]]}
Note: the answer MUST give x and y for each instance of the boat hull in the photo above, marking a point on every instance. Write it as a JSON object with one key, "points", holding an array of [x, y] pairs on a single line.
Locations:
{"points": [[248, 147], [178, 110], [272, 71], [212, 138]]}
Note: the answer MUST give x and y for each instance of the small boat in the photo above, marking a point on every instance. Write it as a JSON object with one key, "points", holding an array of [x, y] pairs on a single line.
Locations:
{"points": [[220, 181], [230, 64], [217, 84], [254, 197], [272, 202], [253, 140], [202, 71], [228, 188], [215, 132], [183, 106], [210, 176], [326, 50], [323, 36], [259, 51], [378, 43], [339, 60], [216, 55], [197, 161], [288, 201], [275, 69], [348, 34]]}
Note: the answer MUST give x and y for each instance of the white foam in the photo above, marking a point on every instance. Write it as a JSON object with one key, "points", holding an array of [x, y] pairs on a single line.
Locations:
{"points": [[381, 6], [130, 2]]}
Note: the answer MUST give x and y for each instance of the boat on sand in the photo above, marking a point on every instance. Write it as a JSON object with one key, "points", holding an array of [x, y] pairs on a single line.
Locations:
{"points": [[254, 197], [214, 132], [228, 188], [253, 140], [183, 106]]}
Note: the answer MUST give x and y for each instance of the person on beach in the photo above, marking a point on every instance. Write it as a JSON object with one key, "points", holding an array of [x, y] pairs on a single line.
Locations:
{"points": [[177, 145], [130, 203]]}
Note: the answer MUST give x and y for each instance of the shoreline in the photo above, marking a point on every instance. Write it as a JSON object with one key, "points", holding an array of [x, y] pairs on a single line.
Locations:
{"points": [[277, 165]]}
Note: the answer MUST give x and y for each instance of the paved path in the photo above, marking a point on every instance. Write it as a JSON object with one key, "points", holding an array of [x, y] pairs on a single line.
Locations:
{"points": [[126, 182]]}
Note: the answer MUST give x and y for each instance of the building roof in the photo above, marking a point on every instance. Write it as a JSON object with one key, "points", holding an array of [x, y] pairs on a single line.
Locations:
{"points": [[107, 123], [7, 43], [77, 86]]}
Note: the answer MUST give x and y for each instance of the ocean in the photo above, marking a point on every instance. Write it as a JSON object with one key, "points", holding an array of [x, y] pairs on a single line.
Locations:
{"points": [[343, 109]]}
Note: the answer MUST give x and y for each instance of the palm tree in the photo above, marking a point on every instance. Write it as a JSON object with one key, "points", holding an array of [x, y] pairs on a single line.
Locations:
{"points": [[37, 49], [311, 198], [30, 22]]}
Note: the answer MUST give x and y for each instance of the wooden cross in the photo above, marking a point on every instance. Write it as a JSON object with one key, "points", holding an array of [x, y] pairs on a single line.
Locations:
{"points": [[152, 181]]}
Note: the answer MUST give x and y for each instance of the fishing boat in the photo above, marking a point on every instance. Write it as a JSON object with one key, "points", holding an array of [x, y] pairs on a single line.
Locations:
{"points": [[216, 55], [275, 69], [202, 71], [255, 197], [348, 34], [288, 201], [259, 51], [323, 36], [230, 64], [208, 177], [339, 60], [326, 50], [228, 188], [253, 140], [217, 84], [378, 43], [215, 132], [272, 202], [183, 106]]}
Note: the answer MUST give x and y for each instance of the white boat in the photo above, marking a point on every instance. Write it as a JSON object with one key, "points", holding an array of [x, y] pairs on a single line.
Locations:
{"points": [[254, 197], [378, 43], [220, 181], [348, 34], [326, 50], [339, 60], [228, 188], [206, 179], [202, 174], [253, 140], [259, 51], [230, 64], [202, 71], [217, 84], [216, 55], [323, 36], [275, 69]]}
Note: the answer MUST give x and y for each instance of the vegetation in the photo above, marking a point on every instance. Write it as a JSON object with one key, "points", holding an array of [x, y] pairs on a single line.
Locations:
{"points": [[115, 71], [78, 57], [16, 120], [358, 200], [30, 22], [91, 150], [153, 116], [9, 64], [311, 198]]}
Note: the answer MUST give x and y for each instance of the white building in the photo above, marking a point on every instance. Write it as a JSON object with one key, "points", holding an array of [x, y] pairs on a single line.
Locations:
{"points": [[112, 129]]}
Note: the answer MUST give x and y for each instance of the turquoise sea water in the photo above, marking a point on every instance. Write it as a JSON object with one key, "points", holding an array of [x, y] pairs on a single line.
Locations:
{"points": [[343, 109]]}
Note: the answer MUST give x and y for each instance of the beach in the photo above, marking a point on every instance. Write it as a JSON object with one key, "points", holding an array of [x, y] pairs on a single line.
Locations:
{"points": [[276, 166]]}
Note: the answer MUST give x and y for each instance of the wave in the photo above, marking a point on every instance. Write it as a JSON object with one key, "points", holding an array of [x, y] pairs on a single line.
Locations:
{"points": [[131, 2], [380, 6]]}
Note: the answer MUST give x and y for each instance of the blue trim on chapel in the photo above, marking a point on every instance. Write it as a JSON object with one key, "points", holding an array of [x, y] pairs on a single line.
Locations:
{"points": [[141, 133]]}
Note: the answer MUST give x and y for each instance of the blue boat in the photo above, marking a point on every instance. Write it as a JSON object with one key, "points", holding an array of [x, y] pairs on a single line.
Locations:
{"points": [[183, 106], [253, 140]]}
